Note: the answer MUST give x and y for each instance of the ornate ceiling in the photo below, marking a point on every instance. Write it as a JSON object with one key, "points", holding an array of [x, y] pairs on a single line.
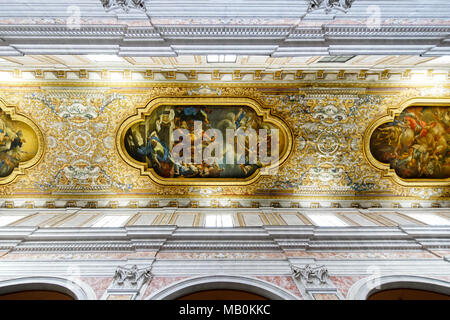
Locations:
{"points": [[79, 108], [331, 129], [343, 169]]}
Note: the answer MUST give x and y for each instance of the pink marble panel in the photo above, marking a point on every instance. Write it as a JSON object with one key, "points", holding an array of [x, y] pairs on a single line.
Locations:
{"points": [[220, 255], [284, 282], [325, 296], [119, 297], [364, 255], [78, 255], [344, 283], [159, 283], [445, 278], [201, 20], [62, 21], [98, 284], [441, 253]]}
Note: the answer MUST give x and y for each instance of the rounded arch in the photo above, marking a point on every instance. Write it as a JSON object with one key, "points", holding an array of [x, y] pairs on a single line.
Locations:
{"points": [[76, 289], [363, 288], [252, 285]]}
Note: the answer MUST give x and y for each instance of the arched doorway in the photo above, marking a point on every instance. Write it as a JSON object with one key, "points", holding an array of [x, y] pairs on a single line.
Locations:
{"points": [[45, 288], [224, 287], [35, 295], [399, 287], [407, 294], [222, 294]]}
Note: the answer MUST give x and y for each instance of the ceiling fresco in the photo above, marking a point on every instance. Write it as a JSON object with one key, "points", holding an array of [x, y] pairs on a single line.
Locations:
{"points": [[415, 143], [85, 130], [20, 143], [205, 140]]}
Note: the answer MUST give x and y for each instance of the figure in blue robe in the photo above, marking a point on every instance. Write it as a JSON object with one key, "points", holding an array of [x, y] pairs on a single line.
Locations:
{"points": [[158, 149], [239, 118]]}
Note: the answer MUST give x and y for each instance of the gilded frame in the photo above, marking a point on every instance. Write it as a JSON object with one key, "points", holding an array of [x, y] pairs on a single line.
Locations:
{"points": [[20, 169], [393, 112], [268, 117]]}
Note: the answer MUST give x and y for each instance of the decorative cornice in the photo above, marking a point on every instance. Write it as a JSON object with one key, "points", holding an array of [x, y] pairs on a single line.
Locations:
{"points": [[385, 32], [8, 32], [6, 245], [290, 202], [243, 245], [111, 246], [140, 76], [364, 245], [272, 32], [275, 40], [262, 239]]}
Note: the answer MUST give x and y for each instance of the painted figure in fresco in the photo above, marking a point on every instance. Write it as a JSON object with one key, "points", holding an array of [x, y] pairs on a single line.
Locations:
{"points": [[239, 117], [416, 144], [157, 147], [158, 154], [11, 142], [190, 114], [164, 127]]}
